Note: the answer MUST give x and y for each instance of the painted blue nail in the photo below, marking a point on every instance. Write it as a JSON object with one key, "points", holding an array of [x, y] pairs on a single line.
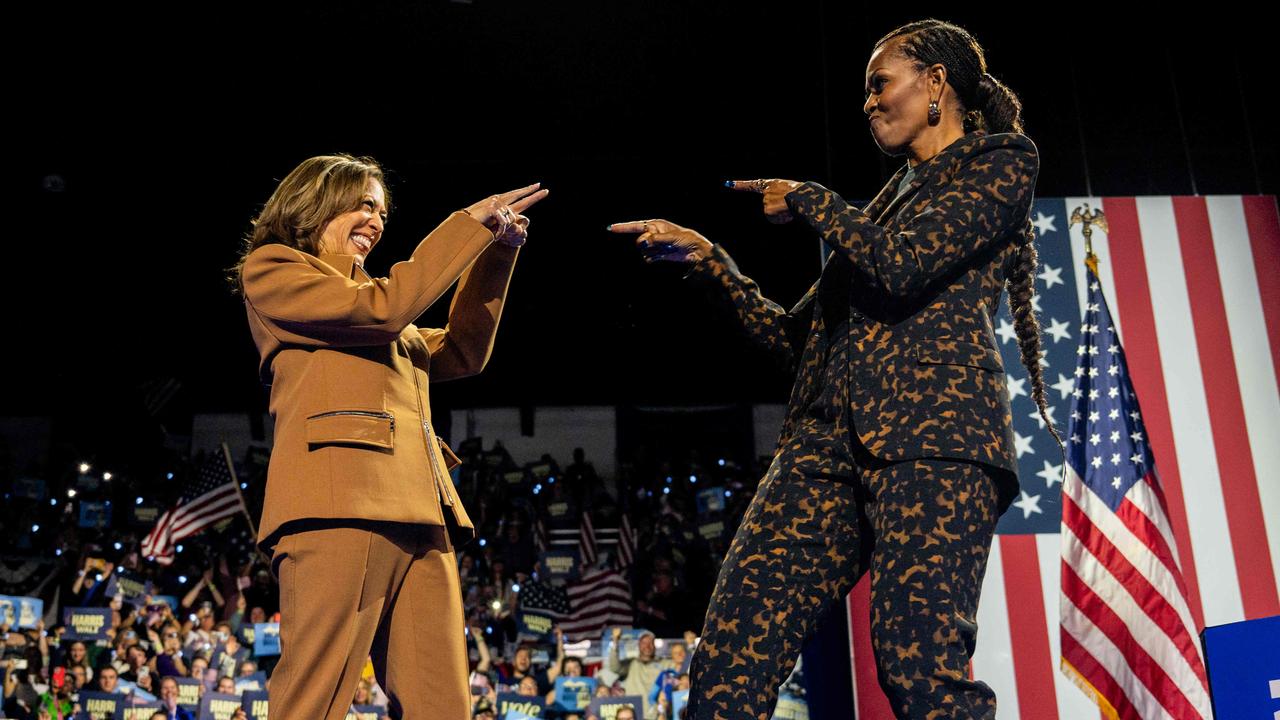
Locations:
{"points": [[609, 228], [728, 183]]}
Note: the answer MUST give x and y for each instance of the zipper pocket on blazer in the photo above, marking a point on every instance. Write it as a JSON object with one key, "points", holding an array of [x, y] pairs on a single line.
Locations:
{"points": [[442, 479], [366, 413]]}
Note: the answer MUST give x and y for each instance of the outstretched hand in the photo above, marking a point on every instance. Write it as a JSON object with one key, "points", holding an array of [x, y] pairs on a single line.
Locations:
{"points": [[665, 241], [775, 196], [502, 213]]}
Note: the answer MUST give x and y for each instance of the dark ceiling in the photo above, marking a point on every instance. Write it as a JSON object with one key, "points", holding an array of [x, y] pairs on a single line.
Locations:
{"points": [[147, 138]]}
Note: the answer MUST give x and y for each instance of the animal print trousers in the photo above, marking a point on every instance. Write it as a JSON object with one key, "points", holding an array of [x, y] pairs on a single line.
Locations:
{"points": [[825, 513]]}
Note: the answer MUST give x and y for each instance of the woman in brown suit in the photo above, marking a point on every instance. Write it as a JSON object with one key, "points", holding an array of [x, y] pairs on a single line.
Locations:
{"points": [[897, 456], [361, 518]]}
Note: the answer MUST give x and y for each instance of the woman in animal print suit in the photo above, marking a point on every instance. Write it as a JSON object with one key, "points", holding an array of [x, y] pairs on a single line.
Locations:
{"points": [[896, 456]]}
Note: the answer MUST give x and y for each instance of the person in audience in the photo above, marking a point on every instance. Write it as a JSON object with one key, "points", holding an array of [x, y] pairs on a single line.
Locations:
{"points": [[638, 673], [169, 701], [522, 667], [169, 661], [528, 687], [109, 680]]}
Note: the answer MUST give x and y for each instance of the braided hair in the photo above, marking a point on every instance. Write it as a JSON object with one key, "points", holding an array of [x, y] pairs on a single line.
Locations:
{"points": [[987, 105]]}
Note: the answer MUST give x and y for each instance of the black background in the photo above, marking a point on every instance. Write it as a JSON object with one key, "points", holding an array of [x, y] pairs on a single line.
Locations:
{"points": [[147, 138]]}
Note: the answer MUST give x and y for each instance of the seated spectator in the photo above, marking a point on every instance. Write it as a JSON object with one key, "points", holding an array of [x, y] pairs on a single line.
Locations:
{"points": [[78, 678], [198, 667], [169, 701], [680, 655], [145, 681], [109, 680], [135, 658], [230, 654], [522, 667], [640, 672], [77, 655], [57, 701], [169, 660], [226, 685], [364, 693], [484, 710], [570, 667], [247, 668], [528, 687]]}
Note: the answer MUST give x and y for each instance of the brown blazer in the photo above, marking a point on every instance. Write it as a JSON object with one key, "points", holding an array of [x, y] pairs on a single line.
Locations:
{"points": [[349, 372]]}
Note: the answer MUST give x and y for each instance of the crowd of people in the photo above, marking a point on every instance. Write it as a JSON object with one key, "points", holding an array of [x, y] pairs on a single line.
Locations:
{"points": [[195, 618]]}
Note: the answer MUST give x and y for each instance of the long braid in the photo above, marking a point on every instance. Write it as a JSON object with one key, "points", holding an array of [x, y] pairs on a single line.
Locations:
{"points": [[1021, 286]]}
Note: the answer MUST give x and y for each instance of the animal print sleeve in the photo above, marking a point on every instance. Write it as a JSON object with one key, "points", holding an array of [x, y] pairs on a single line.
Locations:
{"points": [[987, 197], [763, 320]]}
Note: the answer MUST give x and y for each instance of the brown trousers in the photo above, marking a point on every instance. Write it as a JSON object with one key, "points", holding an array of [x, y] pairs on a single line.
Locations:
{"points": [[350, 590]]}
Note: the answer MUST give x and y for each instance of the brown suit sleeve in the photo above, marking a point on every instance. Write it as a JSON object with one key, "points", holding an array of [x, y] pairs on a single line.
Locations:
{"points": [[307, 306], [463, 346]]}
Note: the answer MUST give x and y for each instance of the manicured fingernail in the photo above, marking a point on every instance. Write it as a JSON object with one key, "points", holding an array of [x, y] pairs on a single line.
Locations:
{"points": [[609, 228], [728, 183]]}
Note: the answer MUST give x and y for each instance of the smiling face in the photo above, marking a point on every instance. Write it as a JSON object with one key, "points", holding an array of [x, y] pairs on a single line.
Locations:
{"points": [[355, 232], [898, 96], [647, 647]]}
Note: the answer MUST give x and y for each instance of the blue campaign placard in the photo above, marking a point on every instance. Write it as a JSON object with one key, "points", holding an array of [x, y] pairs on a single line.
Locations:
{"points": [[142, 711], [21, 612], [266, 639], [100, 705], [1243, 663], [367, 712], [86, 623], [29, 487], [256, 681], [95, 514], [790, 707], [518, 707], [607, 708], [218, 706], [562, 564], [536, 625], [574, 693], [254, 703], [189, 693], [710, 500], [679, 699], [123, 583]]}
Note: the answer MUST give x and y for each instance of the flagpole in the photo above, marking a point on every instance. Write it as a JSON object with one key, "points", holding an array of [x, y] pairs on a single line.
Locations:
{"points": [[231, 468]]}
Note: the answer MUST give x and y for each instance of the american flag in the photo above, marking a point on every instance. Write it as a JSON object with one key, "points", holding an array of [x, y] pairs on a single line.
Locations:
{"points": [[587, 542], [1195, 295], [540, 539], [626, 543], [211, 495], [1127, 633], [545, 598], [602, 598]]}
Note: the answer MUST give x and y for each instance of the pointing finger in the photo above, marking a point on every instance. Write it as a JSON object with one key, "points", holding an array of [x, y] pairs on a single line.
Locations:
{"points": [[746, 185]]}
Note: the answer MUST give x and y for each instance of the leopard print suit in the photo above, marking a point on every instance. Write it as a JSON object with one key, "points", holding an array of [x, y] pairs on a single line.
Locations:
{"points": [[896, 456]]}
